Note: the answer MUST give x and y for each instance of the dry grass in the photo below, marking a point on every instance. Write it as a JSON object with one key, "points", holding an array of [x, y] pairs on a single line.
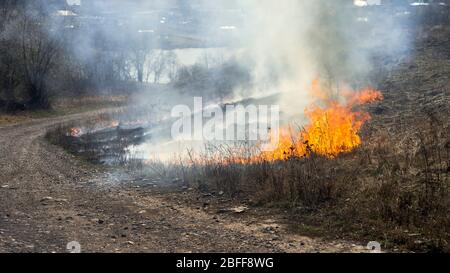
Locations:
{"points": [[393, 189], [65, 106], [390, 190], [11, 119]]}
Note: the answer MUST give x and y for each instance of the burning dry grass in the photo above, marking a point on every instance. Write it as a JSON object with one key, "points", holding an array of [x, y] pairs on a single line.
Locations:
{"points": [[333, 127], [97, 139], [106, 137], [393, 191], [393, 188], [336, 174]]}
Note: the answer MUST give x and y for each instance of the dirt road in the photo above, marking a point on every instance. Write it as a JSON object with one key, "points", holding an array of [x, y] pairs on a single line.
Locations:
{"points": [[49, 198]]}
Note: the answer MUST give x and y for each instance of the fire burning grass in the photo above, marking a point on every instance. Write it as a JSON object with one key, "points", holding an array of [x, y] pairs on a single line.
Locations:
{"points": [[393, 189], [334, 124], [78, 131], [333, 127]]}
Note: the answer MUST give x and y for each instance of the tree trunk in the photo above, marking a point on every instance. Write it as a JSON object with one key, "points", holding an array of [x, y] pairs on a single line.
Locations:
{"points": [[140, 75]]}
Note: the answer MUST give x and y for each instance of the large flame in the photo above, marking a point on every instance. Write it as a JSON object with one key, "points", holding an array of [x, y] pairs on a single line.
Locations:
{"points": [[333, 127]]}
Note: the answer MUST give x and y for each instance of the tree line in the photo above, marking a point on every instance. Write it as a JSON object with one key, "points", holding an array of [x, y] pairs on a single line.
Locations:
{"points": [[43, 55]]}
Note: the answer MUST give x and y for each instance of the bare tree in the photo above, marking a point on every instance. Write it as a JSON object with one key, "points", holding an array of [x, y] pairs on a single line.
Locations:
{"points": [[140, 52], [162, 62], [139, 58], [172, 65], [9, 72], [38, 52], [8, 9]]}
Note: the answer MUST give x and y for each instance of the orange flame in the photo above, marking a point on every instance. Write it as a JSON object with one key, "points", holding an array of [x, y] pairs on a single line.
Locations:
{"points": [[331, 130], [115, 123], [365, 96], [75, 132]]}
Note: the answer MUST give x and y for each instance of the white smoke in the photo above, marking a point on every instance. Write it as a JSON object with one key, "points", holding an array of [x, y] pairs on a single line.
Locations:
{"points": [[285, 44], [290, 43]]}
